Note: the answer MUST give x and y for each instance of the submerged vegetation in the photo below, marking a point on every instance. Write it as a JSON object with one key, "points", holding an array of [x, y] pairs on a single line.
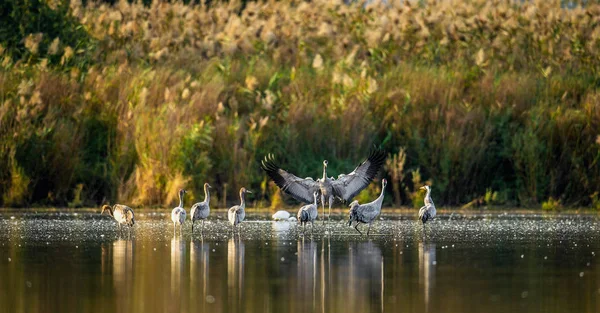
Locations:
{"points": [[483, 99]]}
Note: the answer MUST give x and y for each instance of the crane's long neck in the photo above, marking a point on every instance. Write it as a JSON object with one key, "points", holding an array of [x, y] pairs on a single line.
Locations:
{"points": [[379, 200], [315, 195], [206, 194], [242, 200], [324, 172], [428, 199], [181, 200]]}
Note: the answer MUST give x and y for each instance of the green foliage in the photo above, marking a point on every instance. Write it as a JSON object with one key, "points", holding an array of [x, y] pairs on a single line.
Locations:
{"points": [[193, 156], [29, 28], [551, 204], [595, 201], [18, 192], [77, 200]]}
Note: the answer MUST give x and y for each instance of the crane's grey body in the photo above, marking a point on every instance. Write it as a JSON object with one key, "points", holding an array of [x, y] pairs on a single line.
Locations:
{"points": [[366, 213], [308, 213], [121, 213], [345, 187], [427, 212], [178, 214], [237, 213], [201, 210]]}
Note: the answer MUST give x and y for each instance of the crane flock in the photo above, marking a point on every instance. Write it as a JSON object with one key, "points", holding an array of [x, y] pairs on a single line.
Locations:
{"points": [[326, 189]]}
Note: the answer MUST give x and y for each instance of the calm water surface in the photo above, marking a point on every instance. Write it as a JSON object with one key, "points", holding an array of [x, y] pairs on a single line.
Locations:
{"points": [[69, 262]]}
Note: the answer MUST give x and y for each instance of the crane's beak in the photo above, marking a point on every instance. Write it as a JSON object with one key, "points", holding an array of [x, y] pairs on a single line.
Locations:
{"points": [[248, 191]]}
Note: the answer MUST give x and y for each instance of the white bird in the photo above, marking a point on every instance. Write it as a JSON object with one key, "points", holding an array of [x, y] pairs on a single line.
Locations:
{"points": [[121, 213], [201, 210], [178, 213], [308, 213], [366, 213], [345, 187], [281, 215], [427, 212], [237, 213]]}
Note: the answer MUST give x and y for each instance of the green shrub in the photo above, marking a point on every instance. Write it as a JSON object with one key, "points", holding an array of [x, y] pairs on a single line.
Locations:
{"points": [[551, 205]]}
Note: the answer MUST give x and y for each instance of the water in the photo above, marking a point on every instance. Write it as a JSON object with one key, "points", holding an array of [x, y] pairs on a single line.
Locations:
{"points": [[52, 262]]}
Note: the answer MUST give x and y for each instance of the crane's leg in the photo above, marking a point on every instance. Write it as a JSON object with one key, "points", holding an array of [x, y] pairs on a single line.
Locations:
{"points": [[356, 227], [193, 226], [330, 202], [202, 229], [312, 228], [180, 229], [323, 205], [368, 230]]}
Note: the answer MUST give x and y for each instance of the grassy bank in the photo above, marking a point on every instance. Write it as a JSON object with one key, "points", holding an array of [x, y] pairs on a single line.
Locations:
{"points": [[489, 101]]}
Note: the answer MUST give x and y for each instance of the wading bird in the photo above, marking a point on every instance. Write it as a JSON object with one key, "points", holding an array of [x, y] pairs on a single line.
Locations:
{"points": [[178, 213], [308, 213], [345, 187], [201, 210], [427, 212], [237, 213], [121, 213], [366, 213]]}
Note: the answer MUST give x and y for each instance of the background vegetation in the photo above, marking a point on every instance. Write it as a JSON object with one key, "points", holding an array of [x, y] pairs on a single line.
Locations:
{"points": [[492, 102]]}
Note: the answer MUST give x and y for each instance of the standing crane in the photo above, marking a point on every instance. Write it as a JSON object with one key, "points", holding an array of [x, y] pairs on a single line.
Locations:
{"points": [[366, 213], [121, 213], [178, 213], [427, 212], [201, 210], [237, 213], [308, 213]]}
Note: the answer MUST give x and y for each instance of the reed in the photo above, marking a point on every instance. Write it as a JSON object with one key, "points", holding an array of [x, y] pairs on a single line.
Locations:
{"points": [[476, 96]]}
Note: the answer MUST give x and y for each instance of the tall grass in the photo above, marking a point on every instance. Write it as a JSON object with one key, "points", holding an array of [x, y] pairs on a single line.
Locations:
{"points": [[478, 97]]}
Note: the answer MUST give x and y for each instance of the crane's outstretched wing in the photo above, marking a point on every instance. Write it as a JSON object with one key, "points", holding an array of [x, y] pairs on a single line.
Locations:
{"points": [[301, 189], [348, 186]]}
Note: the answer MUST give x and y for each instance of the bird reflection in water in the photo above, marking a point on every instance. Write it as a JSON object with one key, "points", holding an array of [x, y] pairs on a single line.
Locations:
{"points": [[117, 262], [235, 273], [307, 271], [177, 267], [365, 277], [427, 270], [199, 278]]}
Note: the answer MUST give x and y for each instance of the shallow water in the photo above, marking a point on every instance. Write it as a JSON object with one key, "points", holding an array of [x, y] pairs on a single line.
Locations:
{"points": [[77, 262]]}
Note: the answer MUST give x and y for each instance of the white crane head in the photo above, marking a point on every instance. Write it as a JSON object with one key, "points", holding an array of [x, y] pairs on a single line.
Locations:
{"points": [[383, 183], [425, 188], [325, 163], [206, 185], [182, 192]]}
